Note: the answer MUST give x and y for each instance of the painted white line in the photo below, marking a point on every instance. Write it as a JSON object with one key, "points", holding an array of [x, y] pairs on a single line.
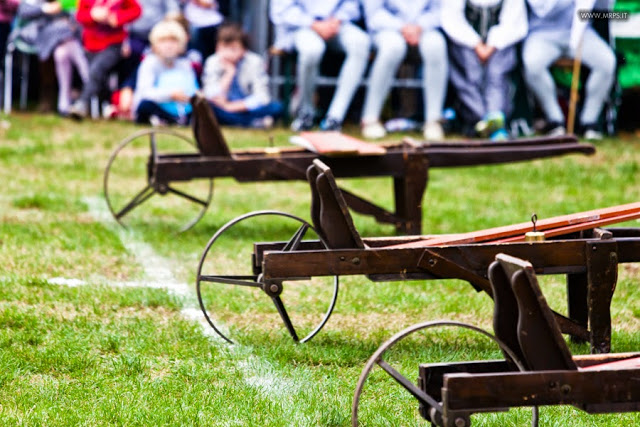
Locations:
{"points": [[258, 373]]}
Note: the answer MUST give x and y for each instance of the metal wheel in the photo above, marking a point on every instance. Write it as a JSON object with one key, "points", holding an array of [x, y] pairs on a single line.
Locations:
{"points": [[238, 303], [378, 359], [130, 183]]}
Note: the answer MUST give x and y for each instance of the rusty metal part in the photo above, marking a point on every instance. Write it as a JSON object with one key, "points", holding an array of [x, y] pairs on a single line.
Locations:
{"points": [[127, 195], [432, 407], [251, 279]]}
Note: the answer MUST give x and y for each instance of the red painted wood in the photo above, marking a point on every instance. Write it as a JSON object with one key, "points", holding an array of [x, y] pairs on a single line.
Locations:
{"points": [[551, 226]]}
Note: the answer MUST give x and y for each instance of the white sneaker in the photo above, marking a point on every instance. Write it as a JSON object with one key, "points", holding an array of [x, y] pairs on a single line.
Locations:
{"points": [[373, 130], [157, 122], [592, 135], [433, 131]]}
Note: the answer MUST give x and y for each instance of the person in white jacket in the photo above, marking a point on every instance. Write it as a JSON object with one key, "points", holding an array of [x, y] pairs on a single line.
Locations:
{"points": [[482, 36], [555, 30], [395, 27], [309, 26]]}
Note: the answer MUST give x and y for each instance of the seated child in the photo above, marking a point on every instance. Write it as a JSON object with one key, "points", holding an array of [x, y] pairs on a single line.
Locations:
{"points": [[235, 82], [122, 99], [482, 36], [166, 81]]}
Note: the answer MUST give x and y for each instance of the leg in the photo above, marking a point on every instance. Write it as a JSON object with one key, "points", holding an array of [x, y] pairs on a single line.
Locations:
{"points": [[310, 48], [467, 77], [147, 108], [99, 67], [433, 50], [225, 117], [602, 66], [64, 72], [496, 90], [79, 59], [355, 43], [390, 51], [273, 109], [538, 54], [5, 29]]}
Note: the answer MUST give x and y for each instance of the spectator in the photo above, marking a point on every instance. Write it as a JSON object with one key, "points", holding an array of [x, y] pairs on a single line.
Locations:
{"points": [[102, 36], [396, 26], [555, 30], [153, 11], [309, 26], [8, 9], [122, 99], [482, 36], [53, 31], [236, 83], [166, 81], [204, 16]]}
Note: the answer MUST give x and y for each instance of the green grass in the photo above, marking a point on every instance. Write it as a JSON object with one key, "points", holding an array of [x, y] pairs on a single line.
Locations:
{"points": [[113, 352]]}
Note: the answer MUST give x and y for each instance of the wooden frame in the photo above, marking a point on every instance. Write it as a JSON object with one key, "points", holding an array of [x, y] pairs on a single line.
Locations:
{"points": [[407, 163], [526, 325], [589, 258]]}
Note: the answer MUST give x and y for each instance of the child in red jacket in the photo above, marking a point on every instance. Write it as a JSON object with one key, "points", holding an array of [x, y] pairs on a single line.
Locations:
{"points": [[102, 36]]}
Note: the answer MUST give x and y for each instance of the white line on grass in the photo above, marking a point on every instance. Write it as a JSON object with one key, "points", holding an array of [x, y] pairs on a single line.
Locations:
{"points": [[258, 373]]}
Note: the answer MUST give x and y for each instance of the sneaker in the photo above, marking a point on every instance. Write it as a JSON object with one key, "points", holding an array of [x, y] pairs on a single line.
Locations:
{"points": [[265, 122], [490, 124], [302, 122], [109, 112], [554, 129], [499, 135], [373, 130], [433, 131], [78, 110], [330, 124], [591, 132], [157, 122]]}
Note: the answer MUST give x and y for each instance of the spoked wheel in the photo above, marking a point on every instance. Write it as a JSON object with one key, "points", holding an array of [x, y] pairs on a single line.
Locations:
{"points": [[382, 389], [239, 304], [131, 186]]}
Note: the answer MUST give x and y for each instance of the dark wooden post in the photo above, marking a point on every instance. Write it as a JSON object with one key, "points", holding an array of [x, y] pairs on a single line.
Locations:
{"points": [[409, 190], [602, 276]]}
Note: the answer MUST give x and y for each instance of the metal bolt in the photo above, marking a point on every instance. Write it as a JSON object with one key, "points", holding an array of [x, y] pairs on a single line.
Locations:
{"points": [[342, 258], [565, 389], [460, 422], [432, 262], [273, 288], [356, 261], [594, 248]]}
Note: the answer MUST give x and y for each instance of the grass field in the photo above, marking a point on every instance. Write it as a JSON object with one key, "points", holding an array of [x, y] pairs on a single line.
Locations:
{"points": [[99, 325]]}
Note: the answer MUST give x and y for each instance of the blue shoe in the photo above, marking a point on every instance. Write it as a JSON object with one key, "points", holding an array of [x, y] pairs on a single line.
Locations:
{"points": [[330, 124], [500, 135]]}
